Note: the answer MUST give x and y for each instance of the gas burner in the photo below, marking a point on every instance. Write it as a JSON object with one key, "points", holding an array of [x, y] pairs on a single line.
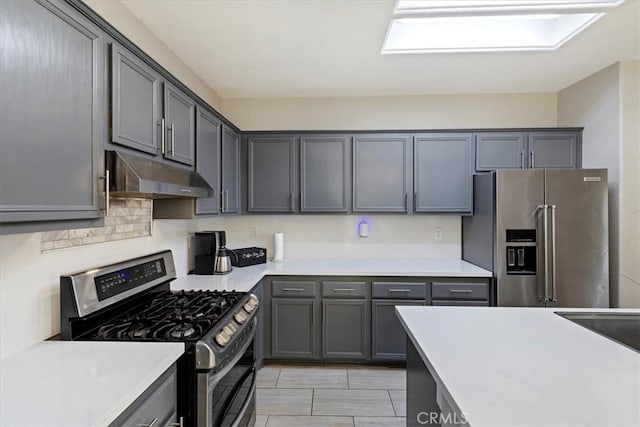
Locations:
{"points": [[182, 331]]}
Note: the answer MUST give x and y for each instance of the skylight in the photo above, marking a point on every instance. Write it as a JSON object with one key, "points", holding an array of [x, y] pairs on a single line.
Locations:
{"points": [[422, 26]]}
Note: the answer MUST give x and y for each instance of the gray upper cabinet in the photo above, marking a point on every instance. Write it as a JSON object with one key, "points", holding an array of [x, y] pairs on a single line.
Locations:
{"points": [[553, 150], [271, 173], [381, 173], [500, 150], [135, 93], [179, 114], [208, 146], [324, 173], [230, 196], [443, 170], [51, 111]]}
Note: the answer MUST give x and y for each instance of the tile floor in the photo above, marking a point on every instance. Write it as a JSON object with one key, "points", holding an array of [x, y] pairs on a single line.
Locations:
{"points": [[330, 396]]}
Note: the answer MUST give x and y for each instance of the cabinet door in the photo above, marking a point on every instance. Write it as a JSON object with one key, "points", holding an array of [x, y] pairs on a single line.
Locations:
{"points": [[208, 134], [293, 328], [135, 109], [230, 171], [380, 173], [51, 110], [324, 173], [179, 113], [553, 150], [345, 329], [443, 174], [500, 150], [271, 172], [389, 339]]}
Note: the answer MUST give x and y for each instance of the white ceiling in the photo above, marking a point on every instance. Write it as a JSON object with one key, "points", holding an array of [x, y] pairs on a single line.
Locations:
{"points": [[320, 48]]}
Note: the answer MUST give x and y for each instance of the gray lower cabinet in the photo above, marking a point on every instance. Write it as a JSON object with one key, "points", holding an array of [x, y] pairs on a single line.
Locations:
{"points": [[271, 173], [389, 340], [51, 108], [553, 150], [230, 196], [179, 114], [135, 94], [443, 172], [324, 173], [157, 406], [208, 149], [500, 150], [345, 329], [381, 173], [293, 328]]}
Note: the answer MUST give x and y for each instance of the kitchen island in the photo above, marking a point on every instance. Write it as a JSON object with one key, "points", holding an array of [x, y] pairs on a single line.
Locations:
{"points": [[516, 367]]}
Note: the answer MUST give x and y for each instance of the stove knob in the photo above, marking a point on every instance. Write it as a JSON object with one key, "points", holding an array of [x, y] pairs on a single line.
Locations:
{"points": [[230, 329], [249, 307], [223, 338], [240, 317]]}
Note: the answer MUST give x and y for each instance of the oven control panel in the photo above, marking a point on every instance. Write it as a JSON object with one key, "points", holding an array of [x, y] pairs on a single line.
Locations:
{"points": [[116, 282]]}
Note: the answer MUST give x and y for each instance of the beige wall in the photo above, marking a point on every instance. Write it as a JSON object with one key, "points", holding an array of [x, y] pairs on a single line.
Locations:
{"points": [[630, 184], [128, 24], [607, 105], [394, 112]]}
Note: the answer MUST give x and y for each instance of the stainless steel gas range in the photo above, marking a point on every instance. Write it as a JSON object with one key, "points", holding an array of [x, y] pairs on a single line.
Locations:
{"points": [[132, 301]]}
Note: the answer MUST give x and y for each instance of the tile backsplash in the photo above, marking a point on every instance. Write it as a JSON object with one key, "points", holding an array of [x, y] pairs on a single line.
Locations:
{"points": [[128, 218]]}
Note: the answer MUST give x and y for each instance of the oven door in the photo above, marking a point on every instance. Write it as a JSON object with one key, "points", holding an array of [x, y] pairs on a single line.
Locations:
{"points": [[227, 398]]}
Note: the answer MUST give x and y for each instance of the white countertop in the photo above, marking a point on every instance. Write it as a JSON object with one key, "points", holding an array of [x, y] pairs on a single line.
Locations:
{"points": [[244, 278], [526, 366], [79, 383]]}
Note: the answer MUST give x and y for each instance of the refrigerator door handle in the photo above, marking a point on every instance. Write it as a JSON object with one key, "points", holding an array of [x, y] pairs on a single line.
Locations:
{"points": [[545, 249], [553, 254]]}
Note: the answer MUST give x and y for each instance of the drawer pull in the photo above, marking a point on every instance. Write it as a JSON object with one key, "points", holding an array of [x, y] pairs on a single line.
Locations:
{"points": [[292, 289], [398, 290], [460, 291], [344, 289]]}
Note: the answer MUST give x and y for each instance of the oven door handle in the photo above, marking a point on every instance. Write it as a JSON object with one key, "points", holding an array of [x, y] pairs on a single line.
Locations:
{"points": [[245, 404]]}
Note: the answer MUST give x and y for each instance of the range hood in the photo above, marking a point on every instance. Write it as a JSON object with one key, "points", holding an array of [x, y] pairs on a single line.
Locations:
{"points": [[133, 176]]}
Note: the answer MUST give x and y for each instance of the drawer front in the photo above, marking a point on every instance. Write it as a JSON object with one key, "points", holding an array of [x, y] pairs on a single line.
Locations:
{"points": [[344, 289], [452, 290], [400, 290], [458, 303], [293, 288]]}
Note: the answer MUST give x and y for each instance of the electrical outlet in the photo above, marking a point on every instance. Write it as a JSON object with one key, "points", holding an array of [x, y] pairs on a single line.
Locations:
{"points": [[437, 233], [253, 231]]}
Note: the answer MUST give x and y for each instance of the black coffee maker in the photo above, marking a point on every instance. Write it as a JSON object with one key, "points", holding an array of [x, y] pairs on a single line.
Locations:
{"points": [[211, 254]]}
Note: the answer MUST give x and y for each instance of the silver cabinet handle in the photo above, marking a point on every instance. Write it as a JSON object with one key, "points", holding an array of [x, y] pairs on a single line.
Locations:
{"points": [[460, 291], [553, 254], [344, 289], [151, 424], [532, 157], [106, 191], [173, 140], [398, 290], [162, 136], [226, 201], [292, 289], [221, 201], [522, 159], [180, 423], [291, 202], [406, 202]]}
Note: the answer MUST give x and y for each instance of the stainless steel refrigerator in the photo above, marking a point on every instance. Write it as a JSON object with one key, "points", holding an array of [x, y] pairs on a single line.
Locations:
{"points": [[544, 235]]}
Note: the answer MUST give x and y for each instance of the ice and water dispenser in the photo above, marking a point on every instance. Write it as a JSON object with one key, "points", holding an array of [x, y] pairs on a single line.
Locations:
{"points": [[521, 252]]}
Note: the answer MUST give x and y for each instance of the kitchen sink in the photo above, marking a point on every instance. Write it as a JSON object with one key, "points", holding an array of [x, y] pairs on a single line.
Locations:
{"points": [[623, 328]]}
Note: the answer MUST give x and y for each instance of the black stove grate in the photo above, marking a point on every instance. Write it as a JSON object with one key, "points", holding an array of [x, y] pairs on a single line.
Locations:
{"points": [[171, 316]]}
